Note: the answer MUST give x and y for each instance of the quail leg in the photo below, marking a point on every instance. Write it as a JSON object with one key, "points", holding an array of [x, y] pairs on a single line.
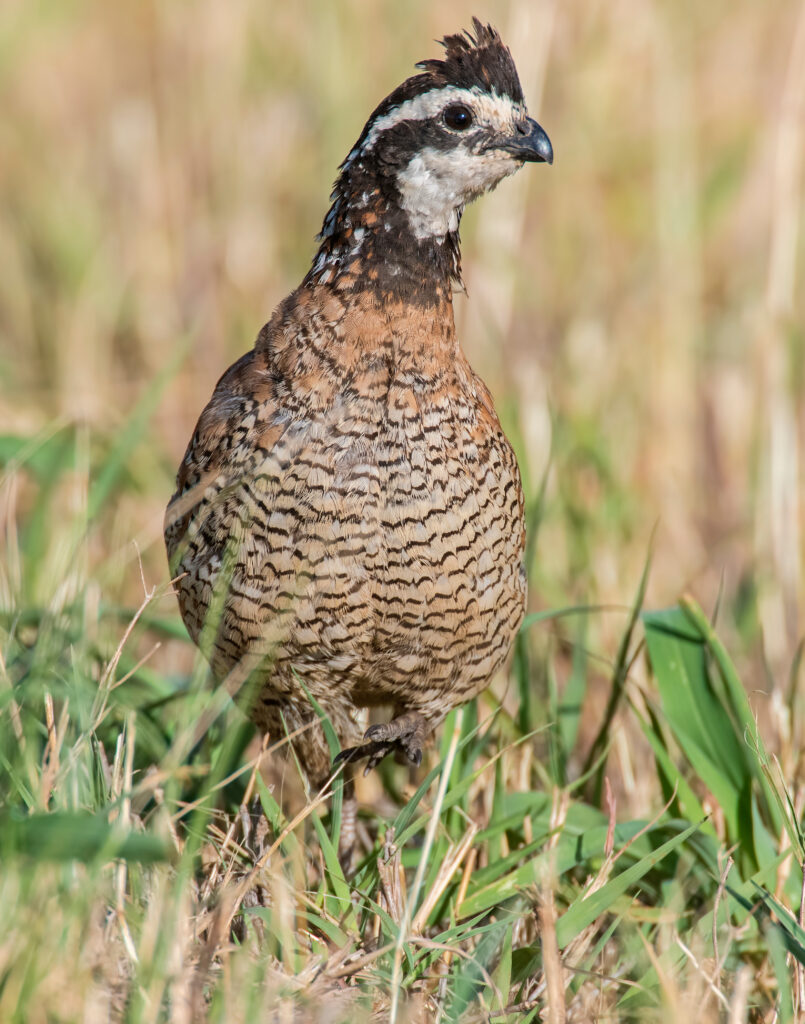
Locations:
{"points": [[348, 840], [405, 733]]}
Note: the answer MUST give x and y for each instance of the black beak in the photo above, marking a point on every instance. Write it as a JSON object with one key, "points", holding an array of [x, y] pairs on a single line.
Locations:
{"points": [[529, 143]]}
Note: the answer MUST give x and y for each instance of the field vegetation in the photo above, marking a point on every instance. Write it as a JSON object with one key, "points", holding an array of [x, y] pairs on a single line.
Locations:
{"points": [[614, 831]]}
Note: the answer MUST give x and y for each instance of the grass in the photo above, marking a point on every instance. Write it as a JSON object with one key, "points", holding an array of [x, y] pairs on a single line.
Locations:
{"points": [[613, 831], [502, 887]]}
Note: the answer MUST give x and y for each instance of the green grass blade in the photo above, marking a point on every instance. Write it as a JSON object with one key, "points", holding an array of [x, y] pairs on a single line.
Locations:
{"points": [[585, 910], [66, 836], [619, 675]]}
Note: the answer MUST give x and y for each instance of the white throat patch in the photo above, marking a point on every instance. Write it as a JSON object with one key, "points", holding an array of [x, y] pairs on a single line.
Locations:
{"points": [[436, 184]]}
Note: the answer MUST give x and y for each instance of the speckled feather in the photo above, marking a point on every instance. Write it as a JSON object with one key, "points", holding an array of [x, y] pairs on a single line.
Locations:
{"points": [[348, 518]]}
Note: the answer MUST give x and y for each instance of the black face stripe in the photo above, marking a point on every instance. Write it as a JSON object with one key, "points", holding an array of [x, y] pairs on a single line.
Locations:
{"points": [[398, 144]]}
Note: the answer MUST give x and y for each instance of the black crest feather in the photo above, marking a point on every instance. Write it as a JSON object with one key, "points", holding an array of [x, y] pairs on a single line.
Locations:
{"points": [[478, 58]]}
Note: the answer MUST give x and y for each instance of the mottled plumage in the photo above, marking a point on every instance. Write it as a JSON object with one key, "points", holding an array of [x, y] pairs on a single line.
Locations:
{"points": [[348, 518]]}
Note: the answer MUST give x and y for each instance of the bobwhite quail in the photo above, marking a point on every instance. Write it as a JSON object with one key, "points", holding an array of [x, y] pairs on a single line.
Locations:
{"points": [[348, 518]]}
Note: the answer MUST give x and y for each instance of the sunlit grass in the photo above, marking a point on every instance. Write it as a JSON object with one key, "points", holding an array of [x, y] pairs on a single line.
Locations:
{"points": [[619, 830], [139, 885]]}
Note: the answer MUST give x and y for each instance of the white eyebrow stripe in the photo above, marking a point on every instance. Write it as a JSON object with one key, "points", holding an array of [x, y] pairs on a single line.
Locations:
{"points": [[429, 104]]}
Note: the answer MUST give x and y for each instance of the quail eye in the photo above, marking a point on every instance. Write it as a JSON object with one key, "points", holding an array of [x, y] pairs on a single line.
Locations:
{"points": [[457, 117]]}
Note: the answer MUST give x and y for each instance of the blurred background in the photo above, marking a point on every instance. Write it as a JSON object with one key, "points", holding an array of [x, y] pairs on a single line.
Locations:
{"points": [[635, 308]]}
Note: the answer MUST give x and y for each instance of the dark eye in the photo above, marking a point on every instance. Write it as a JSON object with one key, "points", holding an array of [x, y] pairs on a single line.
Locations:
{"points": [[457, 117]]}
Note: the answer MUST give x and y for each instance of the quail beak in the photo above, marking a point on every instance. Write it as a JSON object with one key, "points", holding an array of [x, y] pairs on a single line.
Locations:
{"points": [[529, 143]]}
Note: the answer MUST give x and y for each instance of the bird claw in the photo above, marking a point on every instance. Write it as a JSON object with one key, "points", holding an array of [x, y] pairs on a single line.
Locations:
{"points": [[405, 734], [375, 751]]}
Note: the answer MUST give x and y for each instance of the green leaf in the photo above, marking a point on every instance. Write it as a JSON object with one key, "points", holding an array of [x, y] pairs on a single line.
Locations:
{"points": [[688, 803], [503, 974], [696, 717], [793, 934], [334, 934], [290, 844], [334, 745], [76, 835], [576, 845], [110, 472], [341, 906], [585, 910], [557, 613], [741, 710], [46, 456], [714, 727], [777, 948], [622, 662]]}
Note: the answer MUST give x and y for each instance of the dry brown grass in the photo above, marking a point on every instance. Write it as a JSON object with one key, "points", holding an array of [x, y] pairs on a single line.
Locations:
{"points": [[636, 310], [165, 170]]}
